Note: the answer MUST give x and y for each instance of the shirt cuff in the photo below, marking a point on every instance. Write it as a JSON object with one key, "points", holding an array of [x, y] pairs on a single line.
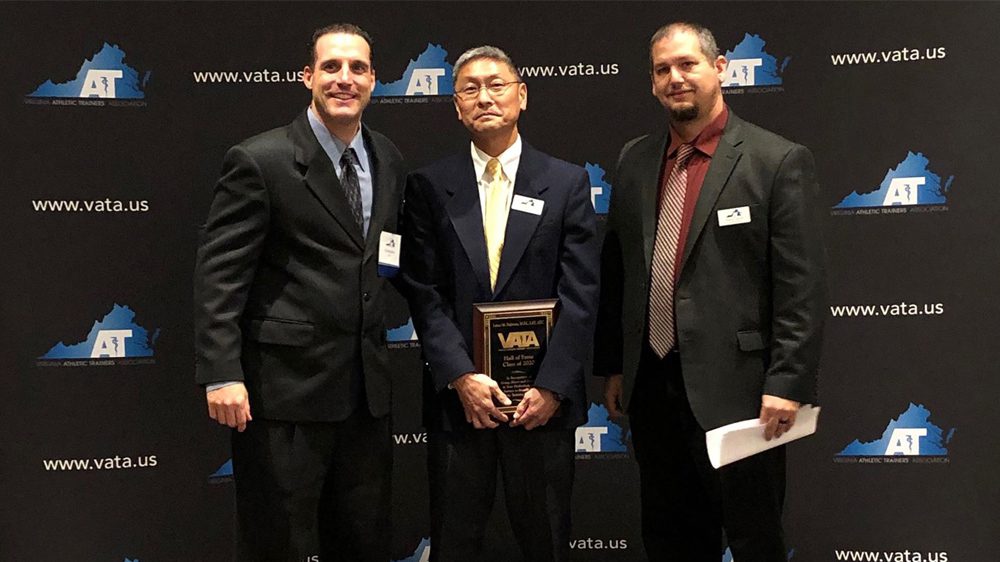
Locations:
{"points": [[218, 385]]}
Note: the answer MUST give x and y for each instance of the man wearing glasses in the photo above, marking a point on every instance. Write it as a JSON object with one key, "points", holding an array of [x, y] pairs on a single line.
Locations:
{"points": [[499, 222]]}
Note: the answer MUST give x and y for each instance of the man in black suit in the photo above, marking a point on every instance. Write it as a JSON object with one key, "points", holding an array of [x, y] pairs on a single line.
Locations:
{"points": [[289, 318], [712, 306], [499, 222]]}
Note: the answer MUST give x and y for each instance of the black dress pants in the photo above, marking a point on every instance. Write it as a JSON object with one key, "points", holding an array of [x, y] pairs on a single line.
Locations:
{"points": [[537, 472], [314, 488], [687, 504]]}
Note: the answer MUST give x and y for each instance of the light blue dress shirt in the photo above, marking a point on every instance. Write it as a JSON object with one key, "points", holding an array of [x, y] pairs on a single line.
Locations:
{"points": [[335, 148]]}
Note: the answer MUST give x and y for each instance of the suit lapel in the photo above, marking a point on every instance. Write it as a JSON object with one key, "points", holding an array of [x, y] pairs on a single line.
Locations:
{"points": [[727, 154], [384, 188], [321, 178], [648, 176], [466, 216], [521, 225]]}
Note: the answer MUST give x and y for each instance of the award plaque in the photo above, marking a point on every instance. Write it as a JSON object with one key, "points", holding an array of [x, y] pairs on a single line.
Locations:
{"points": [[509, 340]]}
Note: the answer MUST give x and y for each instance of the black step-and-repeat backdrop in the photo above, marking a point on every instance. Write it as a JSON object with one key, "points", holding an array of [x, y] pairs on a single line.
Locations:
{"points": [[114, 120]]}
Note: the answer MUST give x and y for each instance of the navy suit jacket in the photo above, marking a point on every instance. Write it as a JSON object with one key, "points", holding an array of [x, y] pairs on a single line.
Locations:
{"points": [[550, 255]]}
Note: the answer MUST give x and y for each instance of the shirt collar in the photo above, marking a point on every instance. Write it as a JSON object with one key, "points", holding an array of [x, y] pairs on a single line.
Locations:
{"points": [[509, 160], [335, 147], [708, 139]]}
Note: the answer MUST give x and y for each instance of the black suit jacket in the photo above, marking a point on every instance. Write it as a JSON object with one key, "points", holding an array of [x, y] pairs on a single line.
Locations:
{"points": [[445, 271], [287, 293], [750, 298]]}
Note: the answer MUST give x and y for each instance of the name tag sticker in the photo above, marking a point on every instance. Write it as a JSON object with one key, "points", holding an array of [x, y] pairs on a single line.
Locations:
{"points": [[527, 205], [388, 253], [736, 215]]}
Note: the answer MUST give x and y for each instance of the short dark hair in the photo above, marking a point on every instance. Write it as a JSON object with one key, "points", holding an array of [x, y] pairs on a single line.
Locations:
{"points": [[487, 52], [706, 41], [348, 28]]}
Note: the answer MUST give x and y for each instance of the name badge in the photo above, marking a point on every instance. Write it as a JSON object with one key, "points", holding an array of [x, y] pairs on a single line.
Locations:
{"points": [[527, 205], [736, 215], [388, 254]]}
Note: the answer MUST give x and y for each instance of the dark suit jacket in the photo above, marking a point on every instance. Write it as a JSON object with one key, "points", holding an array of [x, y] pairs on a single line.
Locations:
{"points": [[749, 300], [445, 271], [287, 293]]}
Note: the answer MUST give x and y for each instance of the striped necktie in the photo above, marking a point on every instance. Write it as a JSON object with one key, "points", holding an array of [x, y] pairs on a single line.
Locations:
{"points": [[662, 332]]}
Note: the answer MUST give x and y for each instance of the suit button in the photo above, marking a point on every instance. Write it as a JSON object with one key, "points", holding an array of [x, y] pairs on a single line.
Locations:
{"points": [[367, 296]]}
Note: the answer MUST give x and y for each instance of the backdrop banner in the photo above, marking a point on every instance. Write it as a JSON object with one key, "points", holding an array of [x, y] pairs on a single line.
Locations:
{"points": [[115, 119]]}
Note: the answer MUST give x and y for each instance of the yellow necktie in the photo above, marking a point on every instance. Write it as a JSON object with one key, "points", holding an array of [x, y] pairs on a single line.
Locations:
{"points": [[495, 219]]}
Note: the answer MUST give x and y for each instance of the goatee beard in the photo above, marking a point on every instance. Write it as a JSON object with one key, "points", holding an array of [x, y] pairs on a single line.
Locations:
{"points": [[683, 114]]}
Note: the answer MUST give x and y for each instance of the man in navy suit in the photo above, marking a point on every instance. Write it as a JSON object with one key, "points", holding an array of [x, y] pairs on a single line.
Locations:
{"points": [[498, 222]]}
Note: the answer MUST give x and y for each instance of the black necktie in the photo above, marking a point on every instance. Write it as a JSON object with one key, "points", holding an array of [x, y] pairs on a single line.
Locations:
{"points": [[352, 186]]}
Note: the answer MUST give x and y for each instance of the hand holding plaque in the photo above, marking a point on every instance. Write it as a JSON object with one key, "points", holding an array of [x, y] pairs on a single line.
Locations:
{"points": [[509, 340], [535, 409], [479, 395]]}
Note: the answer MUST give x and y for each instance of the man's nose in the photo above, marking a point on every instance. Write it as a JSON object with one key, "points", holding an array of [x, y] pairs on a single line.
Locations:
{"points": [[483, 97], [344, 75]]}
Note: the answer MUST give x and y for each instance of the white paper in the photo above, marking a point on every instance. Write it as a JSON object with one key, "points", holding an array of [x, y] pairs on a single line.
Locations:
{"points": [[742, 439], [527, 205], [388, 249], [736, 215]]}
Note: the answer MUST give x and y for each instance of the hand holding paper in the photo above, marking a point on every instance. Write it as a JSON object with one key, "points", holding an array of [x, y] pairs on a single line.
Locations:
{"points": [[742, 439]]}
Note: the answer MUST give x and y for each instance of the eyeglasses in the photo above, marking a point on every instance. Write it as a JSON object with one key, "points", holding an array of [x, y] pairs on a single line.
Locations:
{"points": [[494, 89]]}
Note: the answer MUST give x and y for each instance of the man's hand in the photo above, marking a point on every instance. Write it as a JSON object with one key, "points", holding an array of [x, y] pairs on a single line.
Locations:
{"points": [[613, 395], [778, 414], [535, 408], [476, 391], [230, 406]]}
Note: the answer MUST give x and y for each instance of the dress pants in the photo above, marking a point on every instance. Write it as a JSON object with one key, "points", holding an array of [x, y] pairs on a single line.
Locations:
{"points": [[537, 471], [686, 504], [314, 488]]}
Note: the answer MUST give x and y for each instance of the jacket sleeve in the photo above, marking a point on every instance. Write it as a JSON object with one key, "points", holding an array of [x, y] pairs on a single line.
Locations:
{"points": [[798, 279], [578, 288], [422, 273], [608, 338], [228, 252]]}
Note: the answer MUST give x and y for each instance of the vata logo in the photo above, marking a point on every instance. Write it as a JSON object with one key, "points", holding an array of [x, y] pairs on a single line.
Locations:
{"points": [[223, 474], [600, 434], [421, 554], [104, 76], [600, 190], [427, 76], [127, 559], [909, 187], [402, 335], [519, 340], [751, 69], [909, 438], [728, 555], [115, 337]]}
